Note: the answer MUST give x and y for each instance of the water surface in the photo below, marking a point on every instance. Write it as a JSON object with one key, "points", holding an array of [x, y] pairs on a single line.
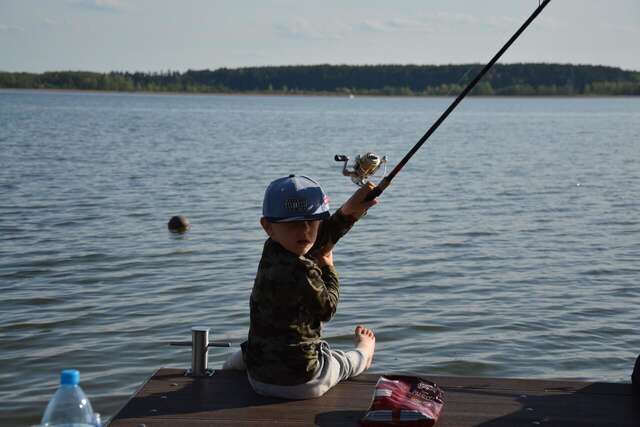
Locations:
{"points": [[507, 247]]}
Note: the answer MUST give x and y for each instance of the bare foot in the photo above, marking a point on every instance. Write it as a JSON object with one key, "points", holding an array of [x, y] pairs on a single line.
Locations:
{"points": [[365, 340]]}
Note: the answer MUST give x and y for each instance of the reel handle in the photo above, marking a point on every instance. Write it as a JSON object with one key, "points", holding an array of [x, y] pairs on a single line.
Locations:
{"points": [[341, 158]]}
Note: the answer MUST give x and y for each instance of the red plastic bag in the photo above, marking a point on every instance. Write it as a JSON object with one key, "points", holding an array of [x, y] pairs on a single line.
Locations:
{"points": [[404, 401]]}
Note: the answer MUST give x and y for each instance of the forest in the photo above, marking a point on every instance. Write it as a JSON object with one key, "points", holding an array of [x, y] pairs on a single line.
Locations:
{"points": [[525, 79]]}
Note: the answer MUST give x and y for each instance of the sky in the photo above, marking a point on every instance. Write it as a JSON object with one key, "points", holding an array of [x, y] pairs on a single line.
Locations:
{"points": [[161, 35]]}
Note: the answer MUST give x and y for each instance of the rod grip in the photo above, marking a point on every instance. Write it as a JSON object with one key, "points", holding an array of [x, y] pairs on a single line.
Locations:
{"points": [[378, 189], [373, 194]]}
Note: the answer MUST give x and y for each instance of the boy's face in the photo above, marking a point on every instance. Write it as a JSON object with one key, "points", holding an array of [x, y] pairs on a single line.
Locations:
{"points": [[297, 236]]}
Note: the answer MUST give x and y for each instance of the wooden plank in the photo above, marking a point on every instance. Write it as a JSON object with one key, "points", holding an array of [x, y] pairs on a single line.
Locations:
{"points": [[169, 398]]}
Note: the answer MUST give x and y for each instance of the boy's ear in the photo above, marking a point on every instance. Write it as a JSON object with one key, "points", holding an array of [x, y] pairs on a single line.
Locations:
{"points": [[266, 226]]}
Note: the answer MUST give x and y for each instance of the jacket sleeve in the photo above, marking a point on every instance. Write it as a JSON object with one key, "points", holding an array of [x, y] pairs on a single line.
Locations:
{"points": [[332, 229], [323, 291]]}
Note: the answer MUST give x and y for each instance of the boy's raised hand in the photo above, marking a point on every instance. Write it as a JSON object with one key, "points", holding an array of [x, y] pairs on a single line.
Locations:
{"points": [[356, 205]]}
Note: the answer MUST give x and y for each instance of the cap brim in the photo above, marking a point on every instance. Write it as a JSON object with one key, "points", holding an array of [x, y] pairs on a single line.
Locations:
{"points": [[316, 217]]}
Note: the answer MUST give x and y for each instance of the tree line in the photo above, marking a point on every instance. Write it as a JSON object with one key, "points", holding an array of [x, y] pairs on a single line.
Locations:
{"points": [[527, 79]]}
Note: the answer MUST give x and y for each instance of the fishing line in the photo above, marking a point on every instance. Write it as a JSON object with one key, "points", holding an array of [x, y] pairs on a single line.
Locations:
{"points": [[386, 181]]}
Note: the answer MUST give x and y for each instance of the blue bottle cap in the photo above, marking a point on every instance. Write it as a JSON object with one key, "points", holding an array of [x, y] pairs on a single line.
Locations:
{"points": [[70, 377]]}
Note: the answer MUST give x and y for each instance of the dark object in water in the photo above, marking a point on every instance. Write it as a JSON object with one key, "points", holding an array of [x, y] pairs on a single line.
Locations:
{"points": [[635, 377], [178, 224]]}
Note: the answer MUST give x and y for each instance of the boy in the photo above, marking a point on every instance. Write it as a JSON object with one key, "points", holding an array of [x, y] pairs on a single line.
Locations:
{"points": [[296, 289]]}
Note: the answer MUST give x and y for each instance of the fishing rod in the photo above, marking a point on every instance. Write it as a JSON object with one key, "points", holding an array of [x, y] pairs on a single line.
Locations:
{"points": [[370, 163]]}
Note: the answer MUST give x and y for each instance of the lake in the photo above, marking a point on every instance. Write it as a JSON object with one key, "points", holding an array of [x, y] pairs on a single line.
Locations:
{"points": [[507, 247]]}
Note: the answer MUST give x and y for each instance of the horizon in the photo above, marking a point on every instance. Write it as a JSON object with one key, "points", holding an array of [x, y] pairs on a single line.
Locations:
{"points": [[147, 36], [313, 65]]}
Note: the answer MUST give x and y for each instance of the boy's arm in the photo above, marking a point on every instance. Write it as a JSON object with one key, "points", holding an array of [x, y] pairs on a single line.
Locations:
{"points": [[332, 229], [323, 291]]}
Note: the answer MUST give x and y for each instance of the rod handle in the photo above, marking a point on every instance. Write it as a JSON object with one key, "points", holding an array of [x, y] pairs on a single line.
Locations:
{"points": [[373, 194], [378, 189]]}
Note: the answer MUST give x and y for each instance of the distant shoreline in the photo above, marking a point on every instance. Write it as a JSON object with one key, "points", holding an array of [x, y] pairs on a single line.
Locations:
{"points": [[309, 94], [503, 80]]}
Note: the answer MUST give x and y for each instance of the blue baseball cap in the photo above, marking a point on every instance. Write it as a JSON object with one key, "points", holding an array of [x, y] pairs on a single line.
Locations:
{"points": [[295, 198]]}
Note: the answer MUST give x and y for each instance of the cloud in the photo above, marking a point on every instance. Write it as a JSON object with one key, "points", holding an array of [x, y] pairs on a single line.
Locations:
{"points": [[437, 22], [455, 18], [428, 24], [395, 25], [503, 22], [10, 29], [374, 26], [113, 6], [300, 28]]}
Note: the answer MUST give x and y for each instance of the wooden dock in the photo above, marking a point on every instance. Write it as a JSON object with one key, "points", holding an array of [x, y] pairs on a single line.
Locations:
{"points": [[169, 398]]}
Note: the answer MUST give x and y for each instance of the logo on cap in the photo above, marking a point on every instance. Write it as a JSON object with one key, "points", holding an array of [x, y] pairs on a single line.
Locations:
{"points": [[296, 205]]}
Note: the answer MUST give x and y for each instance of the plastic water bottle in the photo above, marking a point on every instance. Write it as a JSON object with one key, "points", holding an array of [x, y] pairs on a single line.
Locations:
{"points": [[69, 406]]}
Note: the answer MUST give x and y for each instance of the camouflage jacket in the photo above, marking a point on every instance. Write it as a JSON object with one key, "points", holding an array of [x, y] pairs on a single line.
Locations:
{"points": [[291, 298]]}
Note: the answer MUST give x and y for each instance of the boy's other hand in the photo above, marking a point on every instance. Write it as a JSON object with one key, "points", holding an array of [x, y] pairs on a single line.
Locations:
{"points": [[356, 205], [324, 255]]}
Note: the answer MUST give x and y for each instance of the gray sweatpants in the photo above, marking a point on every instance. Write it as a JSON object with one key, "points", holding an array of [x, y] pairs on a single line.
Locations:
{"points": [[334, 366]]}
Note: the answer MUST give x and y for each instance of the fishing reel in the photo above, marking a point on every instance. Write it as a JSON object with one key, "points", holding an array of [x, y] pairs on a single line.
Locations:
{"points": [[364, 167]]}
